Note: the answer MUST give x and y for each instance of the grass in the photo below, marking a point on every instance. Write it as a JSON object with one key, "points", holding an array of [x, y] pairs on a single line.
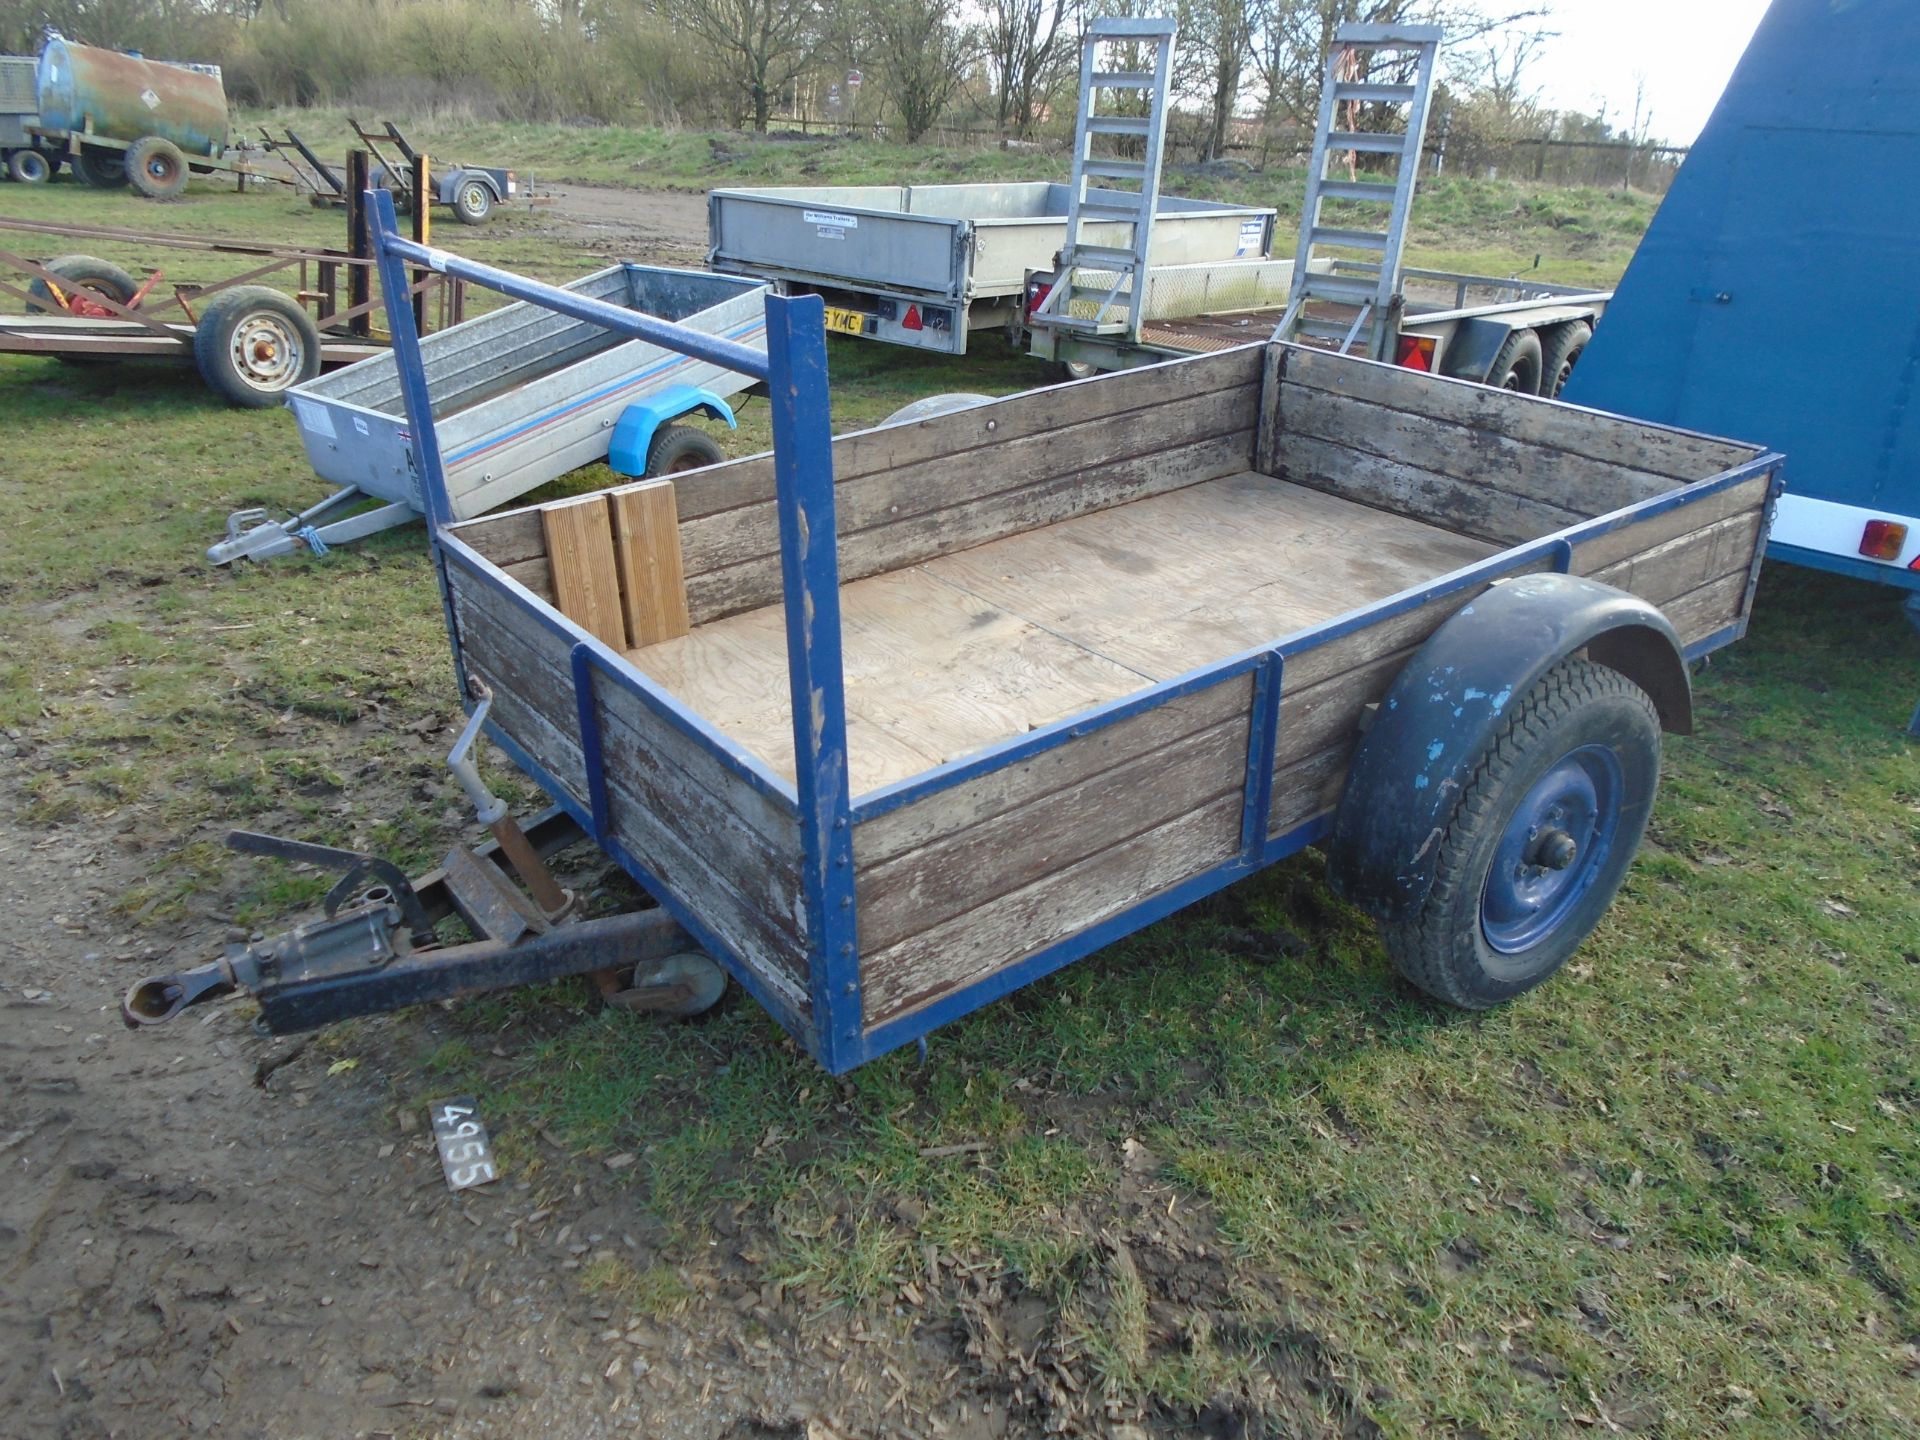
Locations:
{"points": [[1673, 1192]]}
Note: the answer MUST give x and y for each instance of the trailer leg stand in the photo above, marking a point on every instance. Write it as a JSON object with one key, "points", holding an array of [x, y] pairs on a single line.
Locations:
{"points": [[556, 903], [256, 535]]}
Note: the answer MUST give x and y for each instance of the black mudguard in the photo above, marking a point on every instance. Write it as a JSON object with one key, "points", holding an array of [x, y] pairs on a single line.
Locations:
{"points": [[1446, 706]]}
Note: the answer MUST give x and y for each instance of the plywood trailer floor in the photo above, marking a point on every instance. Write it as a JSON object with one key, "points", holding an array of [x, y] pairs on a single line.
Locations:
{"points": [[948, 656]]}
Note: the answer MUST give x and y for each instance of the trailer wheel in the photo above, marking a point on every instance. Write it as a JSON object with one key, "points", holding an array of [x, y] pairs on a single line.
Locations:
{"points": [[252, 344], [157, 168], [30, 167], [472, 202], [1517, 366], [679, 448], [1565, 344], [101, 275], [1078, 369], [100, 169], [1540, 839]]}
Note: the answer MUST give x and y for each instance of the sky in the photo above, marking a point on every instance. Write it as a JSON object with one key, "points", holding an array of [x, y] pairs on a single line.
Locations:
{"points": [[1685, 49]]}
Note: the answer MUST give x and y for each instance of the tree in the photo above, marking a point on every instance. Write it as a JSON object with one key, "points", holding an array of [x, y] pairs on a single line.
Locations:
{"points": [[761, 46], [1025, 43], [924, 52], [1216, 41]]}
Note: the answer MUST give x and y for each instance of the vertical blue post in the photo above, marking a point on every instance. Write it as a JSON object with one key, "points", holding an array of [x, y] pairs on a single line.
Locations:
{"points": [[810, 580], [425, 439]]}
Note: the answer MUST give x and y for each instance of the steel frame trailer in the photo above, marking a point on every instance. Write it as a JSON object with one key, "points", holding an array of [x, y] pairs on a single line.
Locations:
{"points": [[922, 265], [925, 713]]}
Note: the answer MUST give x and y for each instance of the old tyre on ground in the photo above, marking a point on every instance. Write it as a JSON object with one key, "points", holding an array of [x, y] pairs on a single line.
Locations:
{"points": [[252, 344], [677, 448], [1539, 840], [100, 169], [472, 201], [157, 168], [95, 274], [1517, 366], [30, 167], [1561, 352]]}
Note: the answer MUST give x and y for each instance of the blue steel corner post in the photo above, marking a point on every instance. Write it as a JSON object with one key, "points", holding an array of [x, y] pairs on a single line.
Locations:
{"points": [[810, 578]]}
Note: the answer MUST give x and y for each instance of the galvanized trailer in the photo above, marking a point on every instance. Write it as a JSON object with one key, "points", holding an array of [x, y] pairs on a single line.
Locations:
{"points": [[893, 724], [521, 396], [921, 265]]}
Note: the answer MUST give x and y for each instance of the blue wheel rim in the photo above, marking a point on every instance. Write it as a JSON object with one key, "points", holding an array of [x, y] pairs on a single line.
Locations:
{"points": [[1553, 850]]}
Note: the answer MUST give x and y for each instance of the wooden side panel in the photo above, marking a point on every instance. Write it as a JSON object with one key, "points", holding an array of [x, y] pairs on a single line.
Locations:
{"points": [[646, 539], [957, 885], [910, 492], [730, 852], [1592, 434], [586, 581]]}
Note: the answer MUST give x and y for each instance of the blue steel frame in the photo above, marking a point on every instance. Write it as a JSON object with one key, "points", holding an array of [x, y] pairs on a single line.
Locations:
{"points": [[795, 368]]}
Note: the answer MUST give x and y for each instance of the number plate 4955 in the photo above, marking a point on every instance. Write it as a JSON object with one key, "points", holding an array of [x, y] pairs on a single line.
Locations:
{"points": [[464, 1152]]}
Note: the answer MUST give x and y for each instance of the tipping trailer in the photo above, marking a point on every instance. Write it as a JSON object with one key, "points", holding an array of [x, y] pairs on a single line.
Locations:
{"points": [[1743, 305], [923, 265], [893, 724], [522, 395]]}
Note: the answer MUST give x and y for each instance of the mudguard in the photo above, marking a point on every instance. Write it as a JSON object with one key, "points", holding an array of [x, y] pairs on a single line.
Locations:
{"points": [[1450, 700], [1474, 347], [633, 433]]}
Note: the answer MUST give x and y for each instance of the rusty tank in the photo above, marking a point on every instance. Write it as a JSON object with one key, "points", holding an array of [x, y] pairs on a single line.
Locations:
{"points": [[85, 89]]}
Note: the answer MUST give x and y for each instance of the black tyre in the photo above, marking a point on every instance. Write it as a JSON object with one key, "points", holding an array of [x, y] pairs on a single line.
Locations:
{"points": [[1564, 346], [1077, 369], [1542, 835], [679, 448], [30, 167], [100, 169], [1517, 366], [252, 344], [472, 201], [99, 275], [157, 168]]}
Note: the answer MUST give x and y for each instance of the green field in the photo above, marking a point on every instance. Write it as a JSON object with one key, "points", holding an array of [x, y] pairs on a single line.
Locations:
{"points": [[1239, 1165]]}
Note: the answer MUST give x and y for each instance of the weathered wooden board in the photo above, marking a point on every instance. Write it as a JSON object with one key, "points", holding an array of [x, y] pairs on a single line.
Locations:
{"points": [[932, 673], [1592, 556], [1062, 903], [586, 580], [891, 497], [964, 872], [1590, 433], [1169, 583], [646, 545], [1461, 506], [909, 541], [515, 535], [1676, 566], [1032, 779], [1525, 469]]}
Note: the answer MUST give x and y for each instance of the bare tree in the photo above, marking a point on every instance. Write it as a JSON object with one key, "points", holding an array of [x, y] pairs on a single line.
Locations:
{"points": [[1216, 42], [924, 52], [1025, 43], [761, 46]]}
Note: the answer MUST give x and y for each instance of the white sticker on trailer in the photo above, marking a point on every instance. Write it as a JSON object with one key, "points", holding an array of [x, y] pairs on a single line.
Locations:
{"points": [[1253, 235], [832, 219], [312, 418], [150, 99]]}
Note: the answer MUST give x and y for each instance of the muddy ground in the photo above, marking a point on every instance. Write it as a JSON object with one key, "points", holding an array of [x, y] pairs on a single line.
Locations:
{"points": [[208, 1231]]}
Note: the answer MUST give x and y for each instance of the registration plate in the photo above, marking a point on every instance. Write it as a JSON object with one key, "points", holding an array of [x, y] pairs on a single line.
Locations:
{"points": [[849, 322], [464, 1152]]}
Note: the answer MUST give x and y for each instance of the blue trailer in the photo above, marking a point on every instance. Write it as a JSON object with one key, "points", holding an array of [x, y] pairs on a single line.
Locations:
{"points": [[1777, 292], [892, 724]]}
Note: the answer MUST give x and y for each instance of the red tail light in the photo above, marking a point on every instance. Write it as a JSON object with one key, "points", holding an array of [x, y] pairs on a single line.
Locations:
{"points": [[1415, 353], [1883, 539]]}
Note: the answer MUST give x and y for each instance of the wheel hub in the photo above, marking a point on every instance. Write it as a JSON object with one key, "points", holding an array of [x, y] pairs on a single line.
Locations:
{"points": [[266, 353], [1554, 847]]}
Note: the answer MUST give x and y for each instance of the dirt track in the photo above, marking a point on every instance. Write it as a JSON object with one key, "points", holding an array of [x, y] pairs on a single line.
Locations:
{"points": [[669, 226]]}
